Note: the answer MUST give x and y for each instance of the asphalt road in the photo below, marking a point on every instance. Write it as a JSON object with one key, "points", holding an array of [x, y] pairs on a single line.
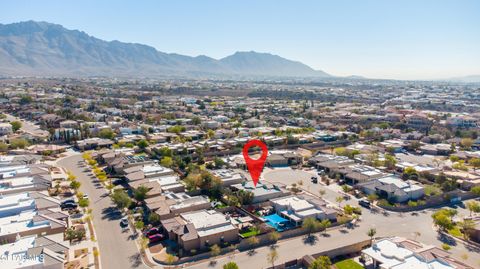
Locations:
{"points": [[117, 248]]}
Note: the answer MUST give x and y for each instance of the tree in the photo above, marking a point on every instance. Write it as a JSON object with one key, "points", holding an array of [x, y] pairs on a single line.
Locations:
{"points": [[475, 162], [210, 133], [121, 199], [272, 256], [230, 265], [371, 233], [215, 250], [466, 143], [324, 224], [322, 262], [170, 259], [475, 190], [19, 143], [26, 99], [166, 161], [106, 133], [310, 225], [142, 144], [16, 125], [83, 203], [443, 218], [139, 225], [253, 241], [70, 234], [75, 185], [245, 197], [274, 236], [390, 161], [154, 218], [372, 197], [467, 226], [409, 173], [321, 193], [3, 147], [339, 200], [143, 243], [140, 193], [219, 163], [473, 206]]}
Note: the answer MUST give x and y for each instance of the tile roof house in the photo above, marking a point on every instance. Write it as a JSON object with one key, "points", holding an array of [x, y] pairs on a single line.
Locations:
{"points": [[200, 229], [393, 188]]}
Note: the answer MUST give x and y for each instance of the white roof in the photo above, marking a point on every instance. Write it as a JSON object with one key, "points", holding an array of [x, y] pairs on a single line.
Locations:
{"points": [[394, 256], [295, 203], [18, 250], [208, 222], [20, 223]]}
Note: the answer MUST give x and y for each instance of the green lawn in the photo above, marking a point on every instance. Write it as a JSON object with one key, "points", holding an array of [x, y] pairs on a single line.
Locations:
{"points": [[348, 264], [250, 232]]}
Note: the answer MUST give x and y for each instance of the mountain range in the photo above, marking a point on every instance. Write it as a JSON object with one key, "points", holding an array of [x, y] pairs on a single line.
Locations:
{"points": [[34, 48]]}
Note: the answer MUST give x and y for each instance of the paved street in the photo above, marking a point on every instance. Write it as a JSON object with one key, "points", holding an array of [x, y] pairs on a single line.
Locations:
{"points": [[117, 249], [27, 126]]}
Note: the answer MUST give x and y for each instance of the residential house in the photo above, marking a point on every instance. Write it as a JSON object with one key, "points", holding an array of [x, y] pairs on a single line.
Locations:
{"points": [[200, 229], [399, 253], [261, 192], [393, 188]]}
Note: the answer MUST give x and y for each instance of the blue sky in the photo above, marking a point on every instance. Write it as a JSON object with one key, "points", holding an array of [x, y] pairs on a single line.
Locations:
{"points": [[408, 39]]}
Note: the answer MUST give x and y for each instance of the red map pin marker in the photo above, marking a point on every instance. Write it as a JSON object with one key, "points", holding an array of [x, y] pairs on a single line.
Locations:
{"points": [[255, 167]]}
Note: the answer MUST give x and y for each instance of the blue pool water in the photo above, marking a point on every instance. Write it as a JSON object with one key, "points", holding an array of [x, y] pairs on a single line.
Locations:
{"points": [[278, 222]]}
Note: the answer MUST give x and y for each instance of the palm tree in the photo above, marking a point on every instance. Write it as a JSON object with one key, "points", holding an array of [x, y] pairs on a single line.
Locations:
{"points": [[310, 225], [272, 257], [324, 224], [371, 233], [274, 236]]}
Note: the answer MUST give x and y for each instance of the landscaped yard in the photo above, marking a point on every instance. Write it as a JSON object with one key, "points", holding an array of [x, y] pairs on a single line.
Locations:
{"points": [[250, 232], [348, 264]]}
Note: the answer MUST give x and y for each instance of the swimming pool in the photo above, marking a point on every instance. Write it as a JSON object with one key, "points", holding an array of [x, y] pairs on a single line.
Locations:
{"points": [[278, 222]]}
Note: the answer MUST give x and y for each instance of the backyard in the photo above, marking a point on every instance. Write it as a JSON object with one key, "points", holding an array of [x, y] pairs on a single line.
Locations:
{"points": [[348, 264]]}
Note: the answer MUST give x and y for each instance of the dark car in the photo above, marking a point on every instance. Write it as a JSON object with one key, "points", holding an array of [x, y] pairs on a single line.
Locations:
{"points": [[314, 179], [156, 238], [68, 201], [68, 206], [364, 203], [152, 231], [118, 181]]}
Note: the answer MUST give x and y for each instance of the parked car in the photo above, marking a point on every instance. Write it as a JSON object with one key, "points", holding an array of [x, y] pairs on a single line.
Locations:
{"points": [[68, 201], [117, 181], [314, 180], [156, 238], [85, 196], [68, 206], [152, 231], [124, 222], [364, 203]]}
